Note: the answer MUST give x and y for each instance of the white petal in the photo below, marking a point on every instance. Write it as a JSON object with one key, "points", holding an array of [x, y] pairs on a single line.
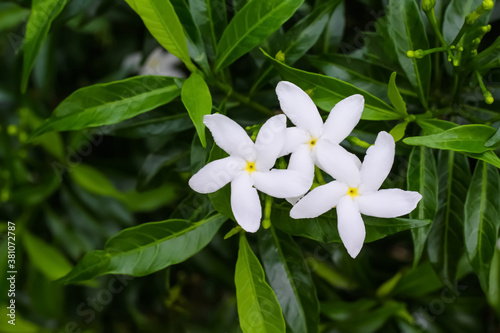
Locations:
{"points": [[301, 161], [230, 136], [295, 137], [337, 162], [344, 116], [388, 203], [270, 142], [216, 174], [319, 201], [356, 160], [281, 183], [245, 203], [377, 163], [350, 225], [299, 107]]}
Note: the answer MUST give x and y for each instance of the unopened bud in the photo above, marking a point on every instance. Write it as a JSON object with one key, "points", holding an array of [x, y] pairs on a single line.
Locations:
{"points": [[488, 4], [280, 56], [428, 5]]}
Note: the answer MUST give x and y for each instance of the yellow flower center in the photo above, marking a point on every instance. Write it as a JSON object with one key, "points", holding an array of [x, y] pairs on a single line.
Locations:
{"points": [[353, 192], [250, 167], [312, 142]]}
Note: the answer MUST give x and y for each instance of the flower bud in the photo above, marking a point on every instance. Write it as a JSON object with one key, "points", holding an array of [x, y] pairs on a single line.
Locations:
{"points": [[428, 5]]}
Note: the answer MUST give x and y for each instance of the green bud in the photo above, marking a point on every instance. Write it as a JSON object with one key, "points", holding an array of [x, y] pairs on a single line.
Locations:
{"points": [[428, 5], [12, 129], [280, 56], [488, 98], [460, 49], [488, 4], [473, 53], [486, 28], [476, 41], [410, 54]]}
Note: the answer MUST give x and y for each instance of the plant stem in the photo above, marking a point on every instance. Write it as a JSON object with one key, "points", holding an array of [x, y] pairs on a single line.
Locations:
{"points": [[244, 99]]}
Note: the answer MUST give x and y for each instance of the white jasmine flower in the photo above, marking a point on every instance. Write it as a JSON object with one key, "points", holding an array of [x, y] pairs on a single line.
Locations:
{"points": [[248, 168], [356, 191], [161, 62], [311, 138]]}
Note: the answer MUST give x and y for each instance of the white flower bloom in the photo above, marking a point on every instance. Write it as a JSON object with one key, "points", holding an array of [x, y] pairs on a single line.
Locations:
{"points": [[160, 62], [311, 138], [356, 191], [248, 168]]}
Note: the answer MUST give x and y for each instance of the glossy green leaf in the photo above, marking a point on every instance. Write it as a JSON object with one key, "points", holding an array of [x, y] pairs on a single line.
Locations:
{"points": [[163, 23], [481, 222], [398, 131], [394, 95], [324, 228], [422, 177], [250, 26], [328, 91], [110, 103], [147, 248], [148, 124], [195, 43], [198, 101], [417, 282], [211, 18], [258, 307], [305, 33], [94, 181], [407, 31], [291, 280], [156, 161], [435, 126], [445, 243], [466, 138], [43, 13], [494, 140], [45, 257]]}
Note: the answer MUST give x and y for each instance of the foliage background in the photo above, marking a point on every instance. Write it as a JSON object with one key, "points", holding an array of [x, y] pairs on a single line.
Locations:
{"points": [[70, 191]]}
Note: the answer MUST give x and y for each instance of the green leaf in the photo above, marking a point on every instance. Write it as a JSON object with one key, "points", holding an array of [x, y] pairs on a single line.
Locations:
{"points": [[324, 228], [445, 242], [454, 17], [163, 23], [147, 248], [291, 279], [494, 140], [43, 12], [394, 95], [422, 177], [258, 307], [328, 91], [305, 33], [94, 181], [211, 18], [195, 44], [110, 103], [45, 257], [198, 101], [148, 124], [488, 58], [493, 293], [250, 26], [407, 31], [465, 138], [398, 131], [11, 15], [481, 223]]}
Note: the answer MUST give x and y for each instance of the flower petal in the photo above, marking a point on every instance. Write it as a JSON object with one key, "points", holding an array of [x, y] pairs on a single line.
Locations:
{"points": [[344, 116], [281, 183], [295, 137], [216, 174], [245, 203], [337, 162], [388, 203], [319, 201], [350, 225], [299, 107], [377, 163], [230, 136], [301, 161], [270, 142]]}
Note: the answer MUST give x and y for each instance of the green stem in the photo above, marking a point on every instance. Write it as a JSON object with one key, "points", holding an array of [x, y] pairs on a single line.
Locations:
{"points": [[319, 176], [266, 222]]}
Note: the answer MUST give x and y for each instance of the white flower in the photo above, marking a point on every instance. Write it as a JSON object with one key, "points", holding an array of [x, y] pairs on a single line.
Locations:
{"points": [[160, 62], [311, 138], [248, 168], [356, 191]]}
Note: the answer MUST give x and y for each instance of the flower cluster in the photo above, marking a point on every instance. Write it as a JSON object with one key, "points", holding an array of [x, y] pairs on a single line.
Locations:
{"points": [[355, 190]]}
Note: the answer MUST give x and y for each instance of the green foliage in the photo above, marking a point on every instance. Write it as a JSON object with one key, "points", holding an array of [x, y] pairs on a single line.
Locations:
{"points": [[100, 131]]}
